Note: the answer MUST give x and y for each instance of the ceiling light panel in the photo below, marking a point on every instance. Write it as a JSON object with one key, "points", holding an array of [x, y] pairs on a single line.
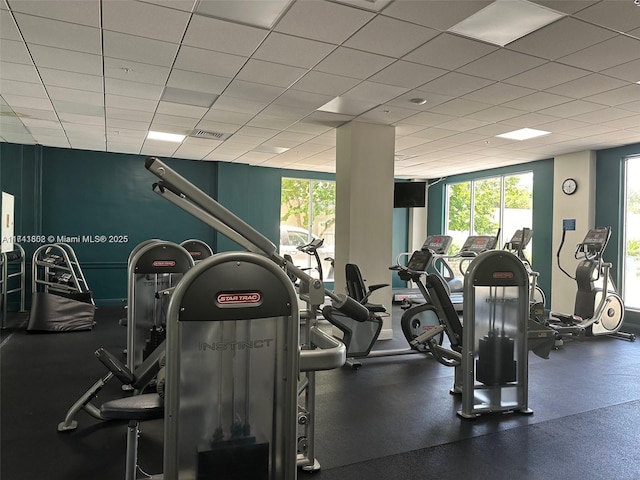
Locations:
{"points": [[504, 21], [523, 134], [260, 13]]}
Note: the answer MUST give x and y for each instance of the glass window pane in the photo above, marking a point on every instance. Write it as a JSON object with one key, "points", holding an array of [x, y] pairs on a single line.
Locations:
{"points": [[458, 213], [518, 207], [308, 211], [631, 274], [486, 206]]}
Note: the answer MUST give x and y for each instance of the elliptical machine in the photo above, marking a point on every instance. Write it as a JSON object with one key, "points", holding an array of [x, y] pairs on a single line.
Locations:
{"points": [[598, 308]]}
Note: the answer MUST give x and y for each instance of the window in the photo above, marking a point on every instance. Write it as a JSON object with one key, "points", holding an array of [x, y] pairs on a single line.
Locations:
{"points": [[481, 207], [308, 211], [631, 254]]}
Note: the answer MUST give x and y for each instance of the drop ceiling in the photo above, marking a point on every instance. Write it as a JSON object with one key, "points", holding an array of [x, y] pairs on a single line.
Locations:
{"points": [[267, 82]]}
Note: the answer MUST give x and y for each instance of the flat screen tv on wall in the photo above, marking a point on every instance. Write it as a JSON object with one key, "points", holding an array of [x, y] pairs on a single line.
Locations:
{"points": [[409, 194]]}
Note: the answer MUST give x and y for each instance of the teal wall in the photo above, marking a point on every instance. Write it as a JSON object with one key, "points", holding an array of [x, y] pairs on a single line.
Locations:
{"points": [[542, 253], [61, 192]]}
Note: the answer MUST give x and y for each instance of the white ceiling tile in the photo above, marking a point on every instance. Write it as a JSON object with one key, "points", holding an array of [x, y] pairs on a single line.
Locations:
{"points": [[632, 122], [14, 87], [500, 65], [79, 81], [263, 133], [268, 121], [198, 82], [77, 108], [353, 63], [633, 106], [121, 125], [270, 73], [564, 124], [374, 92], [76, 96], [238, 105], [172, 128], [547, 75], [455, 84], [31, 116], [118, 101], [610, 53], [19, 102], [66, 60], [8, 28], [617, 96], [619, 15], [253, 91], [73, 11], [293, 114], [463, 124], [449, 52], [181, 110], [323, 21], [158, 148], [53, 33], [131, 115], [571, 109], [459, 107], [213, 34], [536, 101], [289, 50], [561, 38], [132, 89], [627, 71], [309, 128], [82, 119], [19, 72], [498, 93], [590, 85], [325, 83], [495, 114], [135, 71], [217, 115], [374, 37], [138, 49], [427, 119], [209, 62], [528, 120], [435, 14], [407, 74], [15, 52], [143, 19]]}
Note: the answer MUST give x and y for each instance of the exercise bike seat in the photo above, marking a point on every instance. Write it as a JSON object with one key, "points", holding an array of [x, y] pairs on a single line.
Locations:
{"points": [[148, 406], [357, 289]]}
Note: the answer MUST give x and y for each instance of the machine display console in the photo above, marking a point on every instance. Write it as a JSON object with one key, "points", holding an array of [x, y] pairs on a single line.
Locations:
{"points": [[419, 261], [438, 244], [478, 244], [596, 239], [520, 240]]}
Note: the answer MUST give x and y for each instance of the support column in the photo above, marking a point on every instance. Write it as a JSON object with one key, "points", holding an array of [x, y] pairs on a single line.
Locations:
{"points": [[580, 206], [364, 207]]}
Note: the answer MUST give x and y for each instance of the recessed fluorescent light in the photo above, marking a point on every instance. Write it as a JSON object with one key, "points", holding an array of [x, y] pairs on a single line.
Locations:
{"points": [[523, 134], [504, 21], [165, 137]]}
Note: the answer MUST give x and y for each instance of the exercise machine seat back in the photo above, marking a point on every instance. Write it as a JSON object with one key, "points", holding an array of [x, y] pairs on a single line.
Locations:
{"points": [[359, 337], [357, 289], [441, 300]]}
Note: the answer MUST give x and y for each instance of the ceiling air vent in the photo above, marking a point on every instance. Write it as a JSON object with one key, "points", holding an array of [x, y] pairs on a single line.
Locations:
{"points": [[211, 135]]}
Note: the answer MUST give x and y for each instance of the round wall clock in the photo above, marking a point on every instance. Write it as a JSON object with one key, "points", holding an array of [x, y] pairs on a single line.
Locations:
{"points": [[569, 186]]}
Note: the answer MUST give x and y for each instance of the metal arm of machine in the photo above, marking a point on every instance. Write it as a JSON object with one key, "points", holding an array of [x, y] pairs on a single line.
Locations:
{"points": [[190, 198]]}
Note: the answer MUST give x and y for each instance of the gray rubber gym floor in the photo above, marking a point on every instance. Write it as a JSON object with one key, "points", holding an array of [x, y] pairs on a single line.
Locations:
{"points": [[392, 419]]}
